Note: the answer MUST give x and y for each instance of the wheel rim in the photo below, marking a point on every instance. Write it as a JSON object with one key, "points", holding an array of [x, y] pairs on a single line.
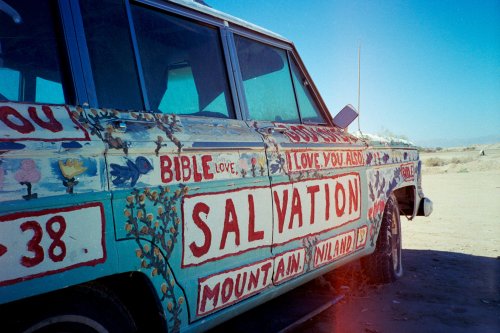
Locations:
{"points": [[67, 323], [395, 243]]}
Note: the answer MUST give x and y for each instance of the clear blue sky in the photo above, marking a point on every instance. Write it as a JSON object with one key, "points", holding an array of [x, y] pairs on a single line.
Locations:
{"points": [[430, 70]]}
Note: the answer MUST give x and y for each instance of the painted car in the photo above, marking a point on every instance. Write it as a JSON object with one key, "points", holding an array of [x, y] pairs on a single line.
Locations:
{"points": [[165, 167]]}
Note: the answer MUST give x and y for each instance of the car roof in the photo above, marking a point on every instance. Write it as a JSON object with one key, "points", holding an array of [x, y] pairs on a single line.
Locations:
{"points": [[228, 18]]}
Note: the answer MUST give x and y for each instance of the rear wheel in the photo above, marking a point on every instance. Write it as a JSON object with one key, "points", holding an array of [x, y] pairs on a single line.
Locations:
{"points": [[83, 309], [385, 265]]}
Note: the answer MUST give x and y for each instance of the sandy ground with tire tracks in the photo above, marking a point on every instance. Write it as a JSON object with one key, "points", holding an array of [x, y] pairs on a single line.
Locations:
{"points": [[451, 259]]}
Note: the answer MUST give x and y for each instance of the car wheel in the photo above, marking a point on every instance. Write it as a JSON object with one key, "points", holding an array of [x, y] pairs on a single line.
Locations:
{"points": [[82, 309], [385, 264]]}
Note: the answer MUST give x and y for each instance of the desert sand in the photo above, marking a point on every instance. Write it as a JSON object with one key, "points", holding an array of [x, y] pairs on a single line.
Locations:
{"points": [[451, 262]]}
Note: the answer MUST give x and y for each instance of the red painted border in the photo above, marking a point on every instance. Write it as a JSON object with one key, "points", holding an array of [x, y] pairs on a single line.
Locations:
{"points": [[410, 164], [362, 151], [86, 136], [201, 280], [94, 262]]}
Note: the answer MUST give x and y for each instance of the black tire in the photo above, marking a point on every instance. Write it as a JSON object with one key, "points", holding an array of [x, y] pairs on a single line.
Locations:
{"points": [[82, 309], [385, 264]]}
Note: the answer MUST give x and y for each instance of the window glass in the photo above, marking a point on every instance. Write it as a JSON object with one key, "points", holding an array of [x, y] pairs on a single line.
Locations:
{"points": [[30, 41], [267, 82], [309, 111], [111, 54], [48, 91], [183, 65], [9, 84]]}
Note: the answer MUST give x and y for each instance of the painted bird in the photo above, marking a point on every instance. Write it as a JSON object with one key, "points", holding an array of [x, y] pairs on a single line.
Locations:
{"points": [[132, 171]]}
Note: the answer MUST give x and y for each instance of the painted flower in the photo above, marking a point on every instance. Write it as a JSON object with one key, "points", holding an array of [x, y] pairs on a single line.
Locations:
{"points": [[243, 164], [71, 168], [28, 172]]}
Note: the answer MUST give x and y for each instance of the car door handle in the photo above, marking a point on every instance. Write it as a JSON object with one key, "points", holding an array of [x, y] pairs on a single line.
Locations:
{"points": [[271, 129], [122, 124]]}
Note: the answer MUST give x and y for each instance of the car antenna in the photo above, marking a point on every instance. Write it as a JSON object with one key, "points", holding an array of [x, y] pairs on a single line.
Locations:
{"points": [[359, 88]]}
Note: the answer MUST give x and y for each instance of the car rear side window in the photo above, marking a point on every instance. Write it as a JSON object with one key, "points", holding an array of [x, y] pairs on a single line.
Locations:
{"points": [[183, 65], [31, 57], [267, 81]]}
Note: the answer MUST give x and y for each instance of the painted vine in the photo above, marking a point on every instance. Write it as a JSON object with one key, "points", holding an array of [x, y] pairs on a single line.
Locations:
{"points": [[161, 229]]}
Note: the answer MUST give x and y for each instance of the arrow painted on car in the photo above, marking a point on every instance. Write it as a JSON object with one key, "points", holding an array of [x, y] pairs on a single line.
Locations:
{"points": [[3, 250]]}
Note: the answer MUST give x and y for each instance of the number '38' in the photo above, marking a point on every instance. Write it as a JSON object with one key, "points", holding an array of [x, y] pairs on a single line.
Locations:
{"points": [[55, 228]]}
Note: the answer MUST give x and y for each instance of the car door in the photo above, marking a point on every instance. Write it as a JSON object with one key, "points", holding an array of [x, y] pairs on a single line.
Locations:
{"points": [[314, 167]]}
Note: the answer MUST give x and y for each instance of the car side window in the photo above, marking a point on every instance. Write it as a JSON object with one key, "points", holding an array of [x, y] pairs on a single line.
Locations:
{"points": [[183, 65], [30, 60], [267, 81], [309, 110], [111, 54]]}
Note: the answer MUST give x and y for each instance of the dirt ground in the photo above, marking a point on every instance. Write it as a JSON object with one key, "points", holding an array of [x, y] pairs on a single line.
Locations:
{"points": [[451, 258]]}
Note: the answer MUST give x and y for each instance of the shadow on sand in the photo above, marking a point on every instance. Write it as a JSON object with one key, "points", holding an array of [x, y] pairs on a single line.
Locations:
{"points": [[439, 292]]}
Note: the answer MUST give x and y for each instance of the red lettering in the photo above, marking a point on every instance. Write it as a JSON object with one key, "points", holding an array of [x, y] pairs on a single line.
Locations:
{"points": [[336, 252], [165, 169], [198, 251], [296, 209], [177, 169], [230, 224], [205, 160], [294, 137], [312, 190], [342, 246], [252, 234], [306, 160], [316, 162], [56, 234], [265, 268], [319, 254], [240, 287], [186, 168], [293, 264], [196, 175], [281, 209], [327, 202], [289, 161], [207, 294], [6, 112], [52, 124], [353, 196], [280, 270], [33, 244], [326, 158], [253, 281], [227, 289], [339, 209]]}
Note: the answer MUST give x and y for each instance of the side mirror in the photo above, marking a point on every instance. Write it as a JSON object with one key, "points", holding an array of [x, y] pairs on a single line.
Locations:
{"points": [[345, 117]]}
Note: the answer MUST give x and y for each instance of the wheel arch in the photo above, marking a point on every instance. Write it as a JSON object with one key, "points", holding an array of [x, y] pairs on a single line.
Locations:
{"points": [[405, 197], [138, 295], [132, 290]]}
